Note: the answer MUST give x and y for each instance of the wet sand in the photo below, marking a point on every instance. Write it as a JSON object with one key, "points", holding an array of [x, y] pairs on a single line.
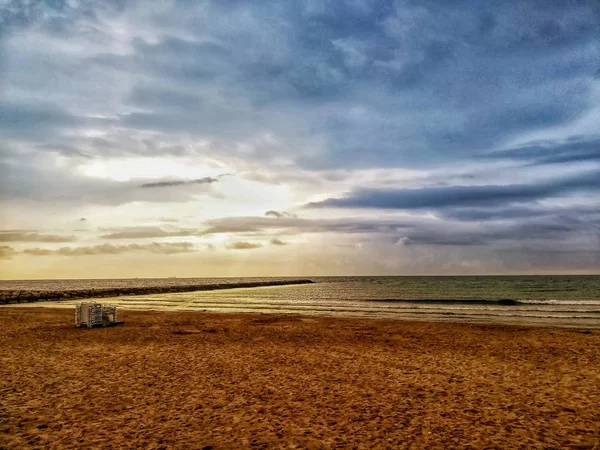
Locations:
{"points": [[192, 380]]}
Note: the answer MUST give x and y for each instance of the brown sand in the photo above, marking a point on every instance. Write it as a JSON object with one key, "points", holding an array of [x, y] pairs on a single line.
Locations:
{"points": [[190, 380]]}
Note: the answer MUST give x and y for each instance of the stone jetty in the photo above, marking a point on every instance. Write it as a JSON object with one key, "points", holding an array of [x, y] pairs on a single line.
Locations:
{"points": [[27, 296]]}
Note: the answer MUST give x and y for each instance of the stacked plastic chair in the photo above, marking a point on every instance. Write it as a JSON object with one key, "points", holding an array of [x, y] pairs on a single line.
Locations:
{"points": [[92, 315], [109, 315]]}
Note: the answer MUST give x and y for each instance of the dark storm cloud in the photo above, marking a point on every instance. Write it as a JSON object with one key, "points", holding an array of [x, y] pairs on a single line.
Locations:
{"points": [[574, 150], [20, 236], [389, 83], [519, 212], [572, 229], [280, 214], [166, 248], [443, 197], [547, 233], [159, 184], [278, 242], [313, 86]]}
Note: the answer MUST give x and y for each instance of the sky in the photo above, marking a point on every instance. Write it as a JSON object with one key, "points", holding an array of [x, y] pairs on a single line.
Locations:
{"points": [[310, 137]]}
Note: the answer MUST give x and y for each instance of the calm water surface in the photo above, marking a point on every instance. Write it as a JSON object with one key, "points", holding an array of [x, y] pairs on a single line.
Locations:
{"points": [[543, 300]]}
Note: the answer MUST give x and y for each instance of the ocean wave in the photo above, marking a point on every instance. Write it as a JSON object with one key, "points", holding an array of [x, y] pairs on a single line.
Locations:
{"points": [[484, 301]]}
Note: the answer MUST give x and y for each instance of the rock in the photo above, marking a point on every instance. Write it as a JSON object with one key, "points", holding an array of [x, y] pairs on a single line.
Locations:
{"points": [[507, 301]]}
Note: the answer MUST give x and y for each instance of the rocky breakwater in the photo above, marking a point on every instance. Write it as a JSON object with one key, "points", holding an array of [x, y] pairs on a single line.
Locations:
{"points": [[27, 296]]}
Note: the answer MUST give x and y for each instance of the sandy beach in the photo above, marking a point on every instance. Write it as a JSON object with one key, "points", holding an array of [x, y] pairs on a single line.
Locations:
{"points": [[194, 380]]}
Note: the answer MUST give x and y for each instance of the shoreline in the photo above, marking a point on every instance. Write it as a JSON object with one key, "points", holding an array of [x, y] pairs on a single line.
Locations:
{"points": [[171, 379], [501, 321]]}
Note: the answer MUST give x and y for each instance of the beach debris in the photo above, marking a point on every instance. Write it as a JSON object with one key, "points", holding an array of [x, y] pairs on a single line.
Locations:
{"points": [[95, 315]]}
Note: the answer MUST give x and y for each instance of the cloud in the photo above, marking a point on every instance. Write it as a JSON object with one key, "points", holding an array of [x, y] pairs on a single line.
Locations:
{"points": [[280, 214], [349, 246], [278, 242], [404, 241], [147, 232], [6, 252], [572, 228], [580, 149], [448, 196], [167, 248], [414, 82], [317, 100], [33, 237], [521, 212], [243, 245], [295, 225], [38, 177], [40, 251], [159, 184], [16, 120]]}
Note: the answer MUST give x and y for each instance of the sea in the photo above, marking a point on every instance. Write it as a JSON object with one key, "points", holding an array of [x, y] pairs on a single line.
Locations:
{"points": [[561, 301]]}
